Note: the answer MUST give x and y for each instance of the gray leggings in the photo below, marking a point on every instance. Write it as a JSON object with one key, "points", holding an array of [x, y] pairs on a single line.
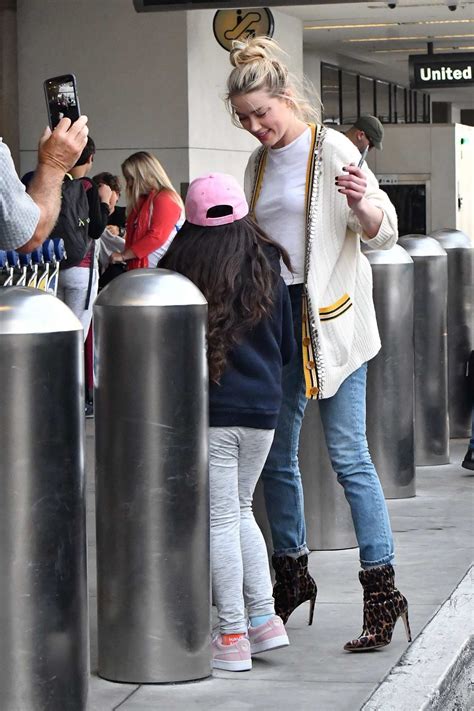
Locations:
{"points": [[72, 289], [240, 572]]}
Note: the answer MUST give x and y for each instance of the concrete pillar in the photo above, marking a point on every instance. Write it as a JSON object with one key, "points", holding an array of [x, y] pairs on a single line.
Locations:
{"points": [[9, 76]]}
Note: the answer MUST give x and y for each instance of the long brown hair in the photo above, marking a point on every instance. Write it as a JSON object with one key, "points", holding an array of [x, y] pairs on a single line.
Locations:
{"points": [[236, 266]]}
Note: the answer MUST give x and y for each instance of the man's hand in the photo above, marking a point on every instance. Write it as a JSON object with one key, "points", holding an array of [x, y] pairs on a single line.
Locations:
{"points": [[60, 149]]}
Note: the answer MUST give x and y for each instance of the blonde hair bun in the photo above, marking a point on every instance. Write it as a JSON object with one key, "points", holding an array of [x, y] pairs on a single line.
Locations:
{"points": [[255, 49], [257, 65]]}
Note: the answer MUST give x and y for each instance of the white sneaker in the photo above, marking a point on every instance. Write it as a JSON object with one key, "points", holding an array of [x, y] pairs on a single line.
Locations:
{"points": [[231, 657], [270, 635]]}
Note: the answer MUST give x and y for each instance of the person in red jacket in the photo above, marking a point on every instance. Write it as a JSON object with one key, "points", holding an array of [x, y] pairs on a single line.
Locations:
{"points": [[154, 211]]}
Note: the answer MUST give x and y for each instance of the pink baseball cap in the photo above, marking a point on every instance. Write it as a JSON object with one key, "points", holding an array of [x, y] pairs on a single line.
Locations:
{"points": [[210, 191]]}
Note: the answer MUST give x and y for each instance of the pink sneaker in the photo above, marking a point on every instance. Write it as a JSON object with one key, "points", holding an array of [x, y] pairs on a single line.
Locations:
{"points": [[270, 635], [231, 657]]}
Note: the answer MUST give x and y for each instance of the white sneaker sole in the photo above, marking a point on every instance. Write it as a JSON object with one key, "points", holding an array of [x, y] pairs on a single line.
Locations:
{"points": [[275, 643], [226, 665]]}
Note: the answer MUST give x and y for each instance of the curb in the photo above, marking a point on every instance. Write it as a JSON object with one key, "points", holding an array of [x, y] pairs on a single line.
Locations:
{"points": [[433, 674]]}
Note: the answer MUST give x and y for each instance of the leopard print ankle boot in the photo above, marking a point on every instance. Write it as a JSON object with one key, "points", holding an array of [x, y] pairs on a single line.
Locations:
{"points": [[383, 605], [293, 586]]}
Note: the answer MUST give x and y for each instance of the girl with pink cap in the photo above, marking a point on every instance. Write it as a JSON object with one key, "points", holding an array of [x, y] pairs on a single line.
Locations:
{"points": [[250, 338]]}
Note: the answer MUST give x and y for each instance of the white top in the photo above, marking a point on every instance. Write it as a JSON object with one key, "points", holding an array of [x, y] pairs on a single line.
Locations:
{"points": [[280, 208]]}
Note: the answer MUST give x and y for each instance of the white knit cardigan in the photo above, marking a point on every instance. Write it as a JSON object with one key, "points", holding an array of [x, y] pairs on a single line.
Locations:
{"points": [[341, 327]]}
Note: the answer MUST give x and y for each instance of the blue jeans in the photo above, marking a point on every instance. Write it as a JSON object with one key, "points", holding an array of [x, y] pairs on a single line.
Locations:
{"points": [[343, 419]]}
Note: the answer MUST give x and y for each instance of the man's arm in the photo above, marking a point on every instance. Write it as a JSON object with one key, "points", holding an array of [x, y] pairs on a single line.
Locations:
{"points": [[58, 151]]}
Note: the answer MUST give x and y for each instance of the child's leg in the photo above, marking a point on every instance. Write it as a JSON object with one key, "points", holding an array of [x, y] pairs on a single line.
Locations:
{"points": [[254, 448], [226, 556]]}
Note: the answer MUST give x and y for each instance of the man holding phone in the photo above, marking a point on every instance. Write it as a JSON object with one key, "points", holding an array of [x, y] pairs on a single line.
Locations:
{"points": [[27, 218]]}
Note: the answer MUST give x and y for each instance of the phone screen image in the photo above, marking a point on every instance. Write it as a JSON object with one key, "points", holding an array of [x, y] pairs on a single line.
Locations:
{"points": [[61, 97]]}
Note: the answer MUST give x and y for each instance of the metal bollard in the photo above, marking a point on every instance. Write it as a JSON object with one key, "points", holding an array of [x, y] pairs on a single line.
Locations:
{"points": [[151, 414], [431, 360], [328, 516], [44, 649], [390, 376], [460, 251]]}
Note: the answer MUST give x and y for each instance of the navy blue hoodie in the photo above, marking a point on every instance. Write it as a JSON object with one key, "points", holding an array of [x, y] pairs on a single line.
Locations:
{"points": [[249, 393]]}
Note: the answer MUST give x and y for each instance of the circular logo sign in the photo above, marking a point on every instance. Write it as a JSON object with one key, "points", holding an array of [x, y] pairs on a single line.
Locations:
{"points": [[230, 25]]}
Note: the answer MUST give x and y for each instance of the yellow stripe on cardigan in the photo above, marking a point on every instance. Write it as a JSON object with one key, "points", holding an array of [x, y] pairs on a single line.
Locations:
{"points": [[336, 305], [328, 313], [309, 367], [258, 182]]}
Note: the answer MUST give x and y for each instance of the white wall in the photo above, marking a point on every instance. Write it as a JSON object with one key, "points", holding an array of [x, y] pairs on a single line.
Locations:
{"points": [[464, 147], [131, 71], [8, 78]]}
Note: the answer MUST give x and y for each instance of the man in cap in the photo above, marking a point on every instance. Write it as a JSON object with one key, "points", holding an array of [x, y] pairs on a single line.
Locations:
{"points": [[366, 131]]}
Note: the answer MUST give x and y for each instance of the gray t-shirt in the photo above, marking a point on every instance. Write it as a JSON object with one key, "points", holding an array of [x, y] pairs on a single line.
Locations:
{"points": [[19, 214]]}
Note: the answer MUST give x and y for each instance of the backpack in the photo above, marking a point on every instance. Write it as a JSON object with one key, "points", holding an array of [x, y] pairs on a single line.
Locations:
{"points": [[73, 222]]}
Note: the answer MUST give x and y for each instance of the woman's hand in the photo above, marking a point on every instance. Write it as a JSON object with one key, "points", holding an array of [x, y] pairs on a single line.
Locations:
{"points": [[116, 258], [353, 184]]}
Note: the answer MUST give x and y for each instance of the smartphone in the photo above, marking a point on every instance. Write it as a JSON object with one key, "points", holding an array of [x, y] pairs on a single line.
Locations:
{"points": [[363, 157], [61, 99]]}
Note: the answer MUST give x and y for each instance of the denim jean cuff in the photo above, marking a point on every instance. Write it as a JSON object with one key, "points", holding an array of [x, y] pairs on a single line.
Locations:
{"points": [[292, 552], [367, 564]]}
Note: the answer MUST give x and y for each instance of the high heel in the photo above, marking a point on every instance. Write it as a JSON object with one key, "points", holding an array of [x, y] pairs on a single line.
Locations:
{"points": [[293, 586], [312, 603], [383, 605], [404, 617]]}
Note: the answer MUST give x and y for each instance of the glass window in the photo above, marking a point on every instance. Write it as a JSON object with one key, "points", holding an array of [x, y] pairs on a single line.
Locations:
{"points": [[426, 108], [346, 95], [330, 89], [401, 104], [420, 113], [366, 94], [349, 97], [411, 106], [382, 100], [393, 103]]}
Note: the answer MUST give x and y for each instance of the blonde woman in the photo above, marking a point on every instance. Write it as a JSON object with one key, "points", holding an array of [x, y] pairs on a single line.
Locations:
{"points": [[306, 191], [154, 211]]}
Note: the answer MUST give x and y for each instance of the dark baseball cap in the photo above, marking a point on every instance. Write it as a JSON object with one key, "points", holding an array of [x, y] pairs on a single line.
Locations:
{"points": [[372, 128]]}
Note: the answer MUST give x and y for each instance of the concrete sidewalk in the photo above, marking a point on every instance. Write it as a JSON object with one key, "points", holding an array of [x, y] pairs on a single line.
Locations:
{"points": [[434, 544]]}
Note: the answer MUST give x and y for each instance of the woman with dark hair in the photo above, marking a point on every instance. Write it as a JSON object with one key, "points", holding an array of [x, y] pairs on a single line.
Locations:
{"points": [[250, 338]]}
